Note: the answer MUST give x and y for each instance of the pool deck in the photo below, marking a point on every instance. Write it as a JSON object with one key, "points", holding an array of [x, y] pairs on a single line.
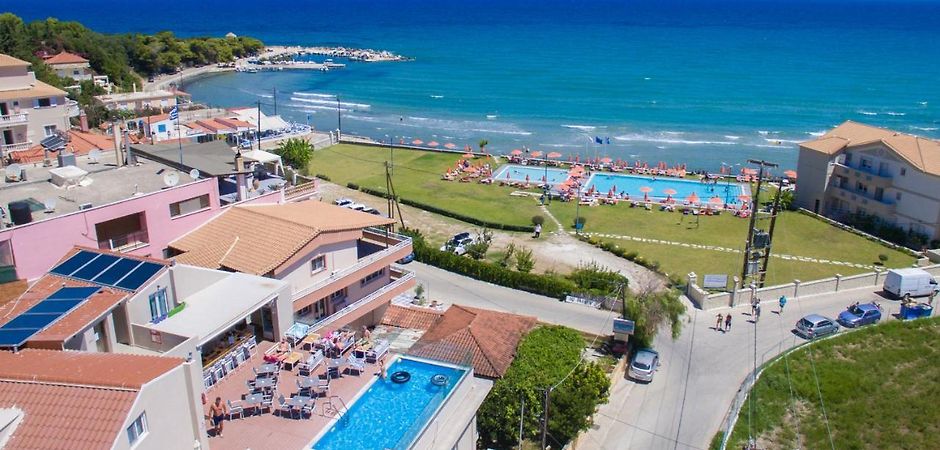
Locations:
{"points": [[268, 430]]}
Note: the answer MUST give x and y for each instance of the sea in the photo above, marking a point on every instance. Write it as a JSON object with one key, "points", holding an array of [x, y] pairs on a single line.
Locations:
{"points": [[702, 83]]}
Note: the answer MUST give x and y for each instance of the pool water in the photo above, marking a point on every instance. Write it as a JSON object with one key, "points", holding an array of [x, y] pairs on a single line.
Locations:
{"points": [[390, 415], [631, 184], [515, 172]]}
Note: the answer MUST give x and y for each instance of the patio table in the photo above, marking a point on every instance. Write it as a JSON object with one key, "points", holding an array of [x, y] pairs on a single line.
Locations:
{"points": [[267, 369], [262, 383], [299, 401], [255, 401], [335, 365], [308, 382]]}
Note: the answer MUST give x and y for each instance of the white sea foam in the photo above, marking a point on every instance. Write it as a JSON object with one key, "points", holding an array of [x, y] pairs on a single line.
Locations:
{"points": [[314, 94], [581, 127], [783, 141], [924, 128], [923, 103], [309, 108], [317, 101], [437, 96], [666, 140], [815, 133], [866, 113], [647, 78], [893, 113], [732, 137]]}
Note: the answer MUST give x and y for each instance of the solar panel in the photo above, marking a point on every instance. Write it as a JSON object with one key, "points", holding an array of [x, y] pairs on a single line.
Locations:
{"points": [[139, 276], [72, 264], [73, 293], [55, 306], [117, 271], [96, 266], [33, 322], [14, 338]]}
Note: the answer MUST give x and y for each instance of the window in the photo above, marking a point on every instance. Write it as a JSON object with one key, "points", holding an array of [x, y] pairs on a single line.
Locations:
{"points": [[338, 296], [372, 276], [897, 196], [161, 128], [903, 171], [848, 158], [76, 72], [43, 102], [317, 264], [158, 304], [188, 206], [49, 130], [866, 164], [137, 429]]}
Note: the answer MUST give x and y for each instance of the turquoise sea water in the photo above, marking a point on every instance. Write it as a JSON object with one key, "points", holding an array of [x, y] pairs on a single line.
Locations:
{"points": [[696, 82]]}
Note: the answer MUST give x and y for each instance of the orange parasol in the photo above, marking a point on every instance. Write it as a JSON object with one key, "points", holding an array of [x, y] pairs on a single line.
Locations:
{"points": [[468, 155], [516, 152], [790, 174], [450, 145], [669, 191], [692, 198], [433, 144], [417, 142], [744, 198], [716, 200], [557, 155], [646, 192], [535, 154], [606, 160]]}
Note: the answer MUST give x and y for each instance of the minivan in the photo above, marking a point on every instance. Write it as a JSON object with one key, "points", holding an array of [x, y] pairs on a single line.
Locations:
{"points": [[912, 282]]}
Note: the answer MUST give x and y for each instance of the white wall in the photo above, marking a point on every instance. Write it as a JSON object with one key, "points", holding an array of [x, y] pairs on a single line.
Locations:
{"points": [[339, 256], [138, 306]]}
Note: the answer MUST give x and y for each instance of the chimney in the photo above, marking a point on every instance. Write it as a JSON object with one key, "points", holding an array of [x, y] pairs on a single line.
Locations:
{"points": [[240, 178], [116, 134], [83, 122]]}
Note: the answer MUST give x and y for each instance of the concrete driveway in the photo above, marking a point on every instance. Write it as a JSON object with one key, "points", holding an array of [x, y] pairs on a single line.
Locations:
{"points": [[450, 288], [702, 370]]}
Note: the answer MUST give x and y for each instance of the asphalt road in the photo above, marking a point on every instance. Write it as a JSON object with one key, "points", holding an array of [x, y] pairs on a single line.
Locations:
{"points": [[702, 370], [450, 288]]}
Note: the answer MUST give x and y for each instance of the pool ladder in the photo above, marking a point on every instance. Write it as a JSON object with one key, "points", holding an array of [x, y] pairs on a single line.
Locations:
{"points": [[330, 406]]}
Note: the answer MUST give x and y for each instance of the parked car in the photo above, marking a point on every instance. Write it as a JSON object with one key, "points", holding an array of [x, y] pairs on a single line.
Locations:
{"points": [[815, 325], [407, 259], [372, 211], [343, 201], [355, 206], [458, 248], [454, 242], [644, 364], [858, 315], [911, 282]]}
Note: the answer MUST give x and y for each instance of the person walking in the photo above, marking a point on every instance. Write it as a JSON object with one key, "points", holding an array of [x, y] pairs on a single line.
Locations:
{"points": [[217, 411], [538, 230], [783, 302], [728, 322], [756, 312], [721, 319]]}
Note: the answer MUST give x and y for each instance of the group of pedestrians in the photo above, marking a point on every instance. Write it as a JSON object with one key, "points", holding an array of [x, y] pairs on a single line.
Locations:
{"points": [[723, 322]]}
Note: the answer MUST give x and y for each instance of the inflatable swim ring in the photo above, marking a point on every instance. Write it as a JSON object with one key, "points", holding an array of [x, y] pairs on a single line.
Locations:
{"points": [[400, 377], [439, 379]]}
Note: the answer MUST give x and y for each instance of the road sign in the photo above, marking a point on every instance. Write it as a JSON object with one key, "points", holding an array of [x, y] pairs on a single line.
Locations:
{"points": [[715, 281], [623, 326]]}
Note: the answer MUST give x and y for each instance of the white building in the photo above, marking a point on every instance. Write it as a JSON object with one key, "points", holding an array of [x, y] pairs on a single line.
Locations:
{"points": [[30, 110], [70, 65]]}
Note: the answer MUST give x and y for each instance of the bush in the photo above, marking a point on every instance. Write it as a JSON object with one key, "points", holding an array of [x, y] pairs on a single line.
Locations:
{"points": [[352, 186], [508, 256], [538, 219], [882, 259], [295, 152], [524, 260], [598, 281], [323, 177]]}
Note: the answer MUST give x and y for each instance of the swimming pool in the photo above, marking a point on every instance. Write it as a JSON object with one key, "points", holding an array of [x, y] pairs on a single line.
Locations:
{"points": [[517, 172], [630, 184], [391, 415]]}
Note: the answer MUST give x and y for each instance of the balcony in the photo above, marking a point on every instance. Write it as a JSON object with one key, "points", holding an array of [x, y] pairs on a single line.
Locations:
{"points": [[11, 120], [73, 109], [22, 146], [399, 247], [125, 243], [357, 309], [845, 169]]}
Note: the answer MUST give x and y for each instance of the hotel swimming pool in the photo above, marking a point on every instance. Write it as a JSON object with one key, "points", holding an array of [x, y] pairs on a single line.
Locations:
{"points": [[630, 184], [515, 172], [391, 415]]}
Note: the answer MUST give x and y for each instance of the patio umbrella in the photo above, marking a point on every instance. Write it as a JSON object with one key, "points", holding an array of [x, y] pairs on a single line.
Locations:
{"points": [[507, 175], [554, 155], [610, 193], [669, 193], [715, 200], [693, 198], [790, 174], [606, 160], [744, 198], [516, 152], [527, 178], [468, 155], [417, 142], [536, 154], [450, 145], [747, 171], [433, 144], [646, 192]]}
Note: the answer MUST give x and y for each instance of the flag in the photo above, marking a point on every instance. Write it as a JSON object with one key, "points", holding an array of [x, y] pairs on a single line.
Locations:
{"points": [[598, 140], [174, 114]]}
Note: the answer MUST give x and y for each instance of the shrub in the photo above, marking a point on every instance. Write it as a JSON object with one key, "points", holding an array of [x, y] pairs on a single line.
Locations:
{"points": [[323, 177], [352, 186], [477, 250], [296, 152], [538, 219], [524, 260], [508, 256], [882, 259], [598, 281]]}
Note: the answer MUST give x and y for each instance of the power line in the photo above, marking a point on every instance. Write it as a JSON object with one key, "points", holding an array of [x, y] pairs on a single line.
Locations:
{"points": [[652, 433], [688, 371], [822, 405]]}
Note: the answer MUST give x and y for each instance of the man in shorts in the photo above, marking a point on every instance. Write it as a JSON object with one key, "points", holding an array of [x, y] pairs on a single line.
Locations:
{"points": [[217, 412]]}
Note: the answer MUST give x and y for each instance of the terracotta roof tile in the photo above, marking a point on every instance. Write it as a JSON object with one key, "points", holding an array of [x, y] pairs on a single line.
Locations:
{"points": [[39, 89], [291, 226], [109, 370], [9, 61], [406, 317], [65, 58], [488, 338], [921, 153]]}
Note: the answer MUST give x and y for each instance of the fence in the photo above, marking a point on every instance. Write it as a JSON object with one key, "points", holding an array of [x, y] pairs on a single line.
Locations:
{"points": [[705, 301]]}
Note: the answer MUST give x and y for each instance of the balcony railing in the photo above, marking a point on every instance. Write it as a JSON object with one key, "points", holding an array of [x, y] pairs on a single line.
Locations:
{"points": [[73, 109], [14, 119], [125, 243], [866, 170], [22, 146], [406, 276], [403, 242]]}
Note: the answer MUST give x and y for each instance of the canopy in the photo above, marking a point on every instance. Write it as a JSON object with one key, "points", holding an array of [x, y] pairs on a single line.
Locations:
{"points": [[536, 154], [450, 145], [417, 142], [669, 191], [433, 144], [790, 174], [264, 157], [516, 152], [693, 198], [646, 189]]}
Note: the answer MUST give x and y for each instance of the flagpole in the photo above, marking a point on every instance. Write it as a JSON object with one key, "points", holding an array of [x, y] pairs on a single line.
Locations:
{"points": [[179, 131]]}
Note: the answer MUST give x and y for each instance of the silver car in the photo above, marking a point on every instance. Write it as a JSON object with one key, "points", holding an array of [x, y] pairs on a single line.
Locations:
{"points": [[815, 325], [644, 365]]}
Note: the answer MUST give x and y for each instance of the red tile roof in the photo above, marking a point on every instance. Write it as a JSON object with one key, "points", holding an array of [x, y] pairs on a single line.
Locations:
{"points": [[488, 338], [80, 143], [105, 370], [406, 317], [65, 58]]}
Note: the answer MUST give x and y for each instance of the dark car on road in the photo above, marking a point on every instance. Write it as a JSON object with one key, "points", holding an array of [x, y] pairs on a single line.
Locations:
{"points": [[858, 315]]}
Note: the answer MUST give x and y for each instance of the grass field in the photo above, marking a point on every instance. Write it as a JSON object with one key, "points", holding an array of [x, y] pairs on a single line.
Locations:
{"points": [[417, 176], [879, 387], [795, 234]]}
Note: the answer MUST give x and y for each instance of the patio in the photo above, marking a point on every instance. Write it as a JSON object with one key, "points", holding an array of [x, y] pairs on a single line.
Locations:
{"points": [[269, 429]]}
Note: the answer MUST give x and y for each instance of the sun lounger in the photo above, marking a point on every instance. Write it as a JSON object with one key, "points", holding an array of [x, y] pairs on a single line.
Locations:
{"points": [[378, 351], [355, 364], [313, 361]]}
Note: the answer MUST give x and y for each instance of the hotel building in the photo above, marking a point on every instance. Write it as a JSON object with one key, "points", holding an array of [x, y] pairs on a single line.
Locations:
{"points": [[30, 110]]}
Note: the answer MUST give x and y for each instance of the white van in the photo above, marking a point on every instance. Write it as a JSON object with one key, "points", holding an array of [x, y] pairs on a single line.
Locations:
{"points": [[905, 283]]}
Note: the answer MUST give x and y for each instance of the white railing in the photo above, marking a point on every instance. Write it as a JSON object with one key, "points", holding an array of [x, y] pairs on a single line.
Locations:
{"points": [[406, 276], [14, 119], [22, 146], [73, 109], [405, 241]]}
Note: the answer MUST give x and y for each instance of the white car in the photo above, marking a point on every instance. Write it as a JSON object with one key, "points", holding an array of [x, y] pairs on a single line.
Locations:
{"points": [[343, 201], [644, 365], [458, 244], [355, 206]]}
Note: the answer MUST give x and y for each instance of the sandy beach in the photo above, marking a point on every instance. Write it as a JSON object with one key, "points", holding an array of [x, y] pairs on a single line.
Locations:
{"points": [[164, 81]]}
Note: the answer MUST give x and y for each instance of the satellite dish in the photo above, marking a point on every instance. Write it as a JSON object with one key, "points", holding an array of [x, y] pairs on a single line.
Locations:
{"points": [[94, 155], [13, 171], [171, 179], [49, 203], [194, 174]]}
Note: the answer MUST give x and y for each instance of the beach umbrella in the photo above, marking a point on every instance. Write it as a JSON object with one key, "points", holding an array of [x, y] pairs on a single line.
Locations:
{"points": [[417, 142], [744, 198], [577, 158], [433, 144], [450, 145], [669, 193], [646, 192], [715, 200], [516, 152], [527, 178], [535, 154], [507, 175], [554, 155], [468, 155], [610, 193], [692, 198], [790, 174], [606, 160]]}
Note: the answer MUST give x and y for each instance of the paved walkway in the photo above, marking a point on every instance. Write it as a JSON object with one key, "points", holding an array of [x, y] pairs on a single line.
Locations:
{"points": [[729, 250], [701, 372]]}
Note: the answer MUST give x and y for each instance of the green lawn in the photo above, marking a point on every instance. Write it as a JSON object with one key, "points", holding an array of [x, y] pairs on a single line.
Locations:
{"points": [[795, 234], [878, 386], [417, 176]]}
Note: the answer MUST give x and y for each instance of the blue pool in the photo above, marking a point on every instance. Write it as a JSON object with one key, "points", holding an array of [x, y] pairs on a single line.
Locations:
{"points": [[631, 184], [516, 172], [390, 415]]}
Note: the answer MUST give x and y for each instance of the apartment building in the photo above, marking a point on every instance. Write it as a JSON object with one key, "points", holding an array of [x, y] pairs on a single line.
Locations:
{"points": [[55, 399], [338, 262], [858, 168], [30, 110], [70, 65]]}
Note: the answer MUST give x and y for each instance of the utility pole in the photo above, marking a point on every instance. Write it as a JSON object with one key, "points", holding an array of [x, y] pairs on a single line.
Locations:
{"points": [[773, 221], [545, 393], [339, 116], [392, 197], [521, 420], [275, 100], [258, 133], [763, 243]]}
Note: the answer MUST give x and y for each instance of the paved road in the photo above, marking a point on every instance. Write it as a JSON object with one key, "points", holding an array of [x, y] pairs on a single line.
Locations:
{"points": [[450, 288], [686, 403]]}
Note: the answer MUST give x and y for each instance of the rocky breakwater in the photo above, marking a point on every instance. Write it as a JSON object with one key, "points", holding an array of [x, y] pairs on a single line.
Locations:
{"points": [[357, 54]]}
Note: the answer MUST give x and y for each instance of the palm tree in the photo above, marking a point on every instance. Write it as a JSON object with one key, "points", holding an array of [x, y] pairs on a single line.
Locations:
{"points": [[483, 144]]}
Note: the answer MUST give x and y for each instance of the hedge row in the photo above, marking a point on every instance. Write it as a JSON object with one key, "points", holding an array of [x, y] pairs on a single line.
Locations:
{"points": [[446, 213], [632, 255], [547, 285]]}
